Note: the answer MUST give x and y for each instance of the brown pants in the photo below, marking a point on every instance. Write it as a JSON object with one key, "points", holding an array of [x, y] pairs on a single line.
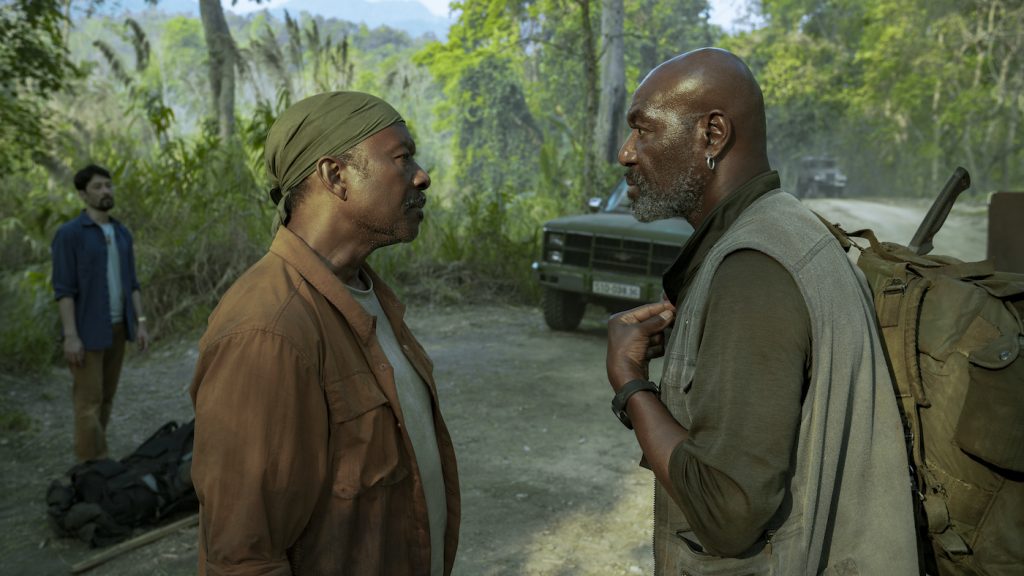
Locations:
{"points": [[95, 383]]}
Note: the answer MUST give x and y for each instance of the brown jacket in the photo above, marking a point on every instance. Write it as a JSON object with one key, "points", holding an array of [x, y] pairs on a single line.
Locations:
{"points": [[302, 463]]}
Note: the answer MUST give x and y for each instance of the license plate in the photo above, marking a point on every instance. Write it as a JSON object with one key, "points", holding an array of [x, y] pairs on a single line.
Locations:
{"points": [[630, 291]]}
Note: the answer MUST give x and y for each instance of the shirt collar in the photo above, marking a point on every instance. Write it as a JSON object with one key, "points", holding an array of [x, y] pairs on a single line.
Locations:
{"points": [[678, 277], [294, 250], [84, 220]]}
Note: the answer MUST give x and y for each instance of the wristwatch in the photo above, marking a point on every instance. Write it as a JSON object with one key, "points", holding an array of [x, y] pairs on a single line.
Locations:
{"points": [[620, 399]]}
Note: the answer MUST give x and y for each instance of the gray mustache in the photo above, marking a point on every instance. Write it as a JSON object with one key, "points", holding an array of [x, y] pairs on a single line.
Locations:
{"points": [[418, 202]]}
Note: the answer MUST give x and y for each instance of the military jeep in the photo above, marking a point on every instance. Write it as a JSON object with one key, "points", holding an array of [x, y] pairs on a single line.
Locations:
{"points": [[819, 177], [606, 258]]}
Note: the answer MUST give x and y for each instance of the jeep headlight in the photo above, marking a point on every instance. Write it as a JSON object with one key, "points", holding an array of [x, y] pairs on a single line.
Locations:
{"points": [[556, 240], [555, 256]]}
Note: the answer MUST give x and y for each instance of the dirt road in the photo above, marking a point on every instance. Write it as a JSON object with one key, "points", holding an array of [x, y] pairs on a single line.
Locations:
{"points": [[963, 236], [550, 479]]}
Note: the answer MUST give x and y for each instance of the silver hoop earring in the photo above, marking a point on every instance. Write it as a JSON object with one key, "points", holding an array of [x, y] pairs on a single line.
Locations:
{"points": [[711, 162]]}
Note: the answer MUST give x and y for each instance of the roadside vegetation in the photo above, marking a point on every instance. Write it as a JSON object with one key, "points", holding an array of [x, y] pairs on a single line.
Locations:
{"points": [[517, 115]]}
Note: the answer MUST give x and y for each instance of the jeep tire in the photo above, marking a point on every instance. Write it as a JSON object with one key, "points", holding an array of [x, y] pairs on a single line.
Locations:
{"points": [[562, 310]]}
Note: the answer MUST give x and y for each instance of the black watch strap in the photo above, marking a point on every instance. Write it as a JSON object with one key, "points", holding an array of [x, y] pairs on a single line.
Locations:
{"points": [[622, 397]]}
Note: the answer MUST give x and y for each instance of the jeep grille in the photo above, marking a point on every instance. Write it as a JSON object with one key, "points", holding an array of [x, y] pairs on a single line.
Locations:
{"points": [[618, 254]]}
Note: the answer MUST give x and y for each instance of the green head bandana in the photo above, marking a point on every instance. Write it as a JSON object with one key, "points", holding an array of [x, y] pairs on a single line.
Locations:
{"points": [[327, 124]]}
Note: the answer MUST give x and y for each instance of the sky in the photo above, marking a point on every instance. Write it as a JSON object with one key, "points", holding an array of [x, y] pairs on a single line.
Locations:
{"points": [[723, 12]]}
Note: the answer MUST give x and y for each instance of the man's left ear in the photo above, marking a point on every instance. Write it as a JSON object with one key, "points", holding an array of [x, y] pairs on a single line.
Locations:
{"points": [[331, 174], [717, 133]]}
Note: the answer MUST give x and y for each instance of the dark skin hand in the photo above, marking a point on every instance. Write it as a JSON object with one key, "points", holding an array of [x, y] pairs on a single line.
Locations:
{"points": [[634, 338]]}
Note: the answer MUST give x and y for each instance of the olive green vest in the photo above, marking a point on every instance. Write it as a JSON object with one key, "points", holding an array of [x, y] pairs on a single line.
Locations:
{"points": [[849, 498]]}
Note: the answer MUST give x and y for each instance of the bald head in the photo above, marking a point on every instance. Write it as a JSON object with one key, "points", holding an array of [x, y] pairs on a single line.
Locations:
{"points": [[709, 79], [698, 133]]}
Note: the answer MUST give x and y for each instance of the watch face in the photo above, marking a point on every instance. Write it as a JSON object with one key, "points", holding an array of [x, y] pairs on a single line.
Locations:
{"points": [[623, 396], [623, 417]]}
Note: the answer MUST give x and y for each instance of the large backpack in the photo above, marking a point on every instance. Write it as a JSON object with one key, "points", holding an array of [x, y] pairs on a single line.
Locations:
{"points": [[105, 499], [953, 337]]}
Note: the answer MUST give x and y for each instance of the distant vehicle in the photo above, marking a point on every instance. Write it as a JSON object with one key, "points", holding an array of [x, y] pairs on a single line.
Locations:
{"points": [[819, 177], [606, 258]]}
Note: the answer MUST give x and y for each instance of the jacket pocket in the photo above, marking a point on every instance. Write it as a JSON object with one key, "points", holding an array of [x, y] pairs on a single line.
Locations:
{"points": [[367, 443]]}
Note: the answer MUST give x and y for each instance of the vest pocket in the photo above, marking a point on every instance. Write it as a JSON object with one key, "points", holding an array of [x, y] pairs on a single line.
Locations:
{"points": [[771, 560], [693, 560], [678, 371], [367, 443]]}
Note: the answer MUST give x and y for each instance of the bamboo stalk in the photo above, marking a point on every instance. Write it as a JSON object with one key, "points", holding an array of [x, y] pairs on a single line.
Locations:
{"points": [[128, 545]]}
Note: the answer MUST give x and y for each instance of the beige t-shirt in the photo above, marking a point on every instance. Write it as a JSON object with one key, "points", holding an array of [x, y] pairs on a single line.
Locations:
{"points": [[416, 404]]}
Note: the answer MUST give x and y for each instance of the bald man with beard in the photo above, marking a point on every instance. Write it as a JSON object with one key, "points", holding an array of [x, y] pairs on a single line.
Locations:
{"points": [[319, 442], [774, 437]]}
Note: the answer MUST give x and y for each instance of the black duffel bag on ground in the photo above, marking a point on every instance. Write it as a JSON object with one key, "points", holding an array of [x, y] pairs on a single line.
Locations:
{"points": [[101, 501]]}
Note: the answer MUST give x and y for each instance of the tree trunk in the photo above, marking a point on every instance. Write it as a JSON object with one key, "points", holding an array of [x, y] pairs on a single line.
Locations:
{"points": [[608, 128], [933, 177], [590, 104], [222, 53], [647, 44]]}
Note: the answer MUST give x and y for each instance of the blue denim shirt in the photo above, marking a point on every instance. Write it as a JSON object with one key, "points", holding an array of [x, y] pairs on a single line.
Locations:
{"points": [[79, 252]]}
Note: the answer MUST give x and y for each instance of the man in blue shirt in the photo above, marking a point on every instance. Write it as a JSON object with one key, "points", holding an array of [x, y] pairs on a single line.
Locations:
{"points": [[100, 305]]}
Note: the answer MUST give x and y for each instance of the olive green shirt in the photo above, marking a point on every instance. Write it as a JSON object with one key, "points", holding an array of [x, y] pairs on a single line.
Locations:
{"points": [[729, 476]]}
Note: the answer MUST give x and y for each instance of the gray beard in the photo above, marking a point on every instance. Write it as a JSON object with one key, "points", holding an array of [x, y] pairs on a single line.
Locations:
{"points": [[682, 198]]}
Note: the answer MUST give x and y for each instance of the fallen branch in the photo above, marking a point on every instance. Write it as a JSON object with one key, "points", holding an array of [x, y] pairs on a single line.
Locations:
{"points": [[128, 545]]}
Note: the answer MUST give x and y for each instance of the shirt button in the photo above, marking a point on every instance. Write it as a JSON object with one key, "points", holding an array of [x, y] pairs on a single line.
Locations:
{"points": [[383, 366]]}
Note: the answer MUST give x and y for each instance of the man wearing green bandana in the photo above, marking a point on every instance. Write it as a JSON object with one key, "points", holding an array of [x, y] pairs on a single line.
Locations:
{"points": [[319, 444]]}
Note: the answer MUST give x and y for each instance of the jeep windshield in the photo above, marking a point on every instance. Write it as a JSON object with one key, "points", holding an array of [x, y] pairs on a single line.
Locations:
{"points": [[818, 163], [618, 200]]}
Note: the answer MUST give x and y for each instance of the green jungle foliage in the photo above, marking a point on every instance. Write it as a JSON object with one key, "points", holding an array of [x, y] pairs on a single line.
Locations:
{"points": [[502, 110]]}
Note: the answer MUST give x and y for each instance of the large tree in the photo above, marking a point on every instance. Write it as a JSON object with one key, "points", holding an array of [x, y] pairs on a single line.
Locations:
{"points": [[609, 121], [222, 62], [929, 84]]}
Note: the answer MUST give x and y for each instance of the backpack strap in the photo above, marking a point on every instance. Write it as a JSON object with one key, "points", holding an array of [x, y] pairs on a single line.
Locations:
{"points": [[838, 232]]}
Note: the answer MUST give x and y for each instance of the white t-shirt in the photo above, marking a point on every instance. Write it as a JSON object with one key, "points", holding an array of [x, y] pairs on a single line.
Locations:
{"points": [[114, 288]]}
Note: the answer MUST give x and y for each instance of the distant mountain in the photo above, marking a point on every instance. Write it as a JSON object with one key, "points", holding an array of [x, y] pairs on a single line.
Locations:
{"points": [[113, 7], [407, 15]]}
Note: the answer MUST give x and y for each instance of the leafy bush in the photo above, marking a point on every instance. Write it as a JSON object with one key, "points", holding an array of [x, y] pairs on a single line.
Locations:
{"points": [[28, 328], [476, 249]]}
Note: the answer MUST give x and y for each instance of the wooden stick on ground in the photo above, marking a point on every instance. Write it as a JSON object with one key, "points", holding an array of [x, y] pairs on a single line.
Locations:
{"points": [[128, 545]]}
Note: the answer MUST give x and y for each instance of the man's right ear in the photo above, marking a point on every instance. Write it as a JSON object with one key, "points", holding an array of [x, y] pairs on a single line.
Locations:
{"points": [[331, 173]]}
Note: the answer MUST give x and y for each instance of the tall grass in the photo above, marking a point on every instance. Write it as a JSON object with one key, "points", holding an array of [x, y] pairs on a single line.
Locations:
{"points": [[199, 217]]}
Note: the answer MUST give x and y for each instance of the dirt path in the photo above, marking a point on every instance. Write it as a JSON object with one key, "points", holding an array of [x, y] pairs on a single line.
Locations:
{"points": [[550, 480], [963, 236]]}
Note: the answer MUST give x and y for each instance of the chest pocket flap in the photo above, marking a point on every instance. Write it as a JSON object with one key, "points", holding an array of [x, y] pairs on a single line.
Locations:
{"points": [[354, 396]]}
